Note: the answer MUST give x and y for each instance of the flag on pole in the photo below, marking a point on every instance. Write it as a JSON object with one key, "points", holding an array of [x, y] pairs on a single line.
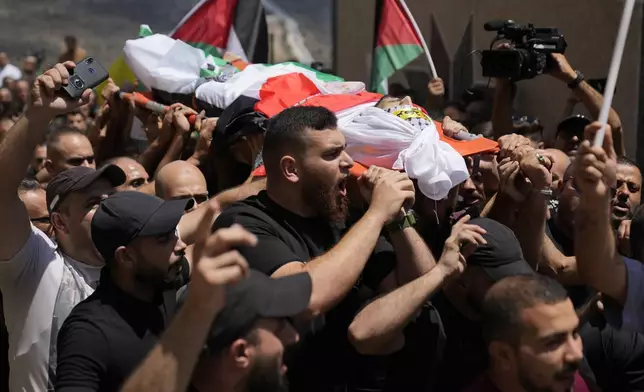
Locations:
{"points": [[219, 26], [397, 43]]}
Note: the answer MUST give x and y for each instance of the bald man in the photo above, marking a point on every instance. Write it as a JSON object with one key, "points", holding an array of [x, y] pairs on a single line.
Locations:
{"points": [[181, 180], [68, 148], [136, 175], [559, 167]]}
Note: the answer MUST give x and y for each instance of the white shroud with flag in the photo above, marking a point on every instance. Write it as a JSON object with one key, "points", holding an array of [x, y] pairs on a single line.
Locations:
{"points": [[373, 135]]}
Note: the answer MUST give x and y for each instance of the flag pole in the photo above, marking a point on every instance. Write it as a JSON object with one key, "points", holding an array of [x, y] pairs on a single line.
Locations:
{"points": [[615, 63], [421, 38]]}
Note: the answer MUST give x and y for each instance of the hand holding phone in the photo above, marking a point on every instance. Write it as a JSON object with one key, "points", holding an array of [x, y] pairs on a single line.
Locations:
{"points": [[88, 73], [46, 98]]}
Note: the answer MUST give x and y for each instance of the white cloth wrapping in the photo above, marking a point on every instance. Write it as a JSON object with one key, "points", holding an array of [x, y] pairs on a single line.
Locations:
{"points": [[375, 137], [164, 63]]}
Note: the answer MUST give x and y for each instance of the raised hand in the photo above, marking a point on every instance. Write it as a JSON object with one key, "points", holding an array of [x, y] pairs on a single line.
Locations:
{"points": [[47, 99], [595, 167], [436, 87], [509, 144], [462, 242], [387, 191]]}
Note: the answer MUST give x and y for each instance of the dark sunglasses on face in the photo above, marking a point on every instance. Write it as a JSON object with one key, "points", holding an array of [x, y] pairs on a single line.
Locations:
{"points": [[79, 160], [39, 160], [198, 199], [43, 219]]}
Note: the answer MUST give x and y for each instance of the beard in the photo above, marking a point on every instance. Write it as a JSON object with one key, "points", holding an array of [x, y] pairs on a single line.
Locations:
{"points": [[327, 200], [162, 281], [266, 376], [526, 380]]}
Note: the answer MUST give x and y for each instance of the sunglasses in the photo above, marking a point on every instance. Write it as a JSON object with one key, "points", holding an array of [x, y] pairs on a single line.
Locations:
{"points": [[79, 160], [43, 219], [197, 199], [39, 160]]}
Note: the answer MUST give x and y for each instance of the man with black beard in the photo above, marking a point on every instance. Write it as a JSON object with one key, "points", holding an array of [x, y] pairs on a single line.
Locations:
{"points": [[301, 225], [107, 335]]}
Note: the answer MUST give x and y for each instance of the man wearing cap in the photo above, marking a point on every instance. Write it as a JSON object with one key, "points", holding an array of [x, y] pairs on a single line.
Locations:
{"points": [[460, 301], [241, 350], [41, 281], [109, 333]]}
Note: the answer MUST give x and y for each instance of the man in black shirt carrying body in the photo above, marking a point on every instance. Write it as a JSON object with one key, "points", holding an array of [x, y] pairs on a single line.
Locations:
{"points": [[299, 222], [107, 335]]}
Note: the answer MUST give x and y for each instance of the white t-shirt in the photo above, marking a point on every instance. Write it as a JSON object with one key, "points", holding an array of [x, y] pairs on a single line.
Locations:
{"points": [[40, 286], [11, 71]]}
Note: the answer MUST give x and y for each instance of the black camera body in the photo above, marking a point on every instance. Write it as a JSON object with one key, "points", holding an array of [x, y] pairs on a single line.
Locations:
{"points": [[530, 54]]}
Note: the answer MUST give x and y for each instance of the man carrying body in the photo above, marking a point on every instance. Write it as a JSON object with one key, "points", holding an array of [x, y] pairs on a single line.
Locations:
{"points": [[300, 221]]}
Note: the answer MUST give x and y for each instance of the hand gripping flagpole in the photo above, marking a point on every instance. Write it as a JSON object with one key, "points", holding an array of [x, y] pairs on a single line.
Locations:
{"points": [[614, 70], [421, 38]]}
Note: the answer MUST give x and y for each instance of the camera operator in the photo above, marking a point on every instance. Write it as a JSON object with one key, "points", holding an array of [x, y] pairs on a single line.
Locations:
{"points": [[565, 140]]}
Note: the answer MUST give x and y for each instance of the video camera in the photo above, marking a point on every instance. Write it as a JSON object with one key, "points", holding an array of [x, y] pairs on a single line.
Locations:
{"points": [[530, 54]]}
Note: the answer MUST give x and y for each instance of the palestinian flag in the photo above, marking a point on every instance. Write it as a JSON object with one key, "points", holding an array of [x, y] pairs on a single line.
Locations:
{"points": [[397, 43], [219, 26]]}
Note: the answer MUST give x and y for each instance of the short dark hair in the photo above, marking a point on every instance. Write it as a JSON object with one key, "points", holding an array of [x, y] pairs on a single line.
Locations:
{"points": [[637, 233], [505, 300], [622, 160], [285, 130], [28, 185], [55, 136]]}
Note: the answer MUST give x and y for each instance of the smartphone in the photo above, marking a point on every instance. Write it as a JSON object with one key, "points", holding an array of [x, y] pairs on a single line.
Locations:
{"points": [[598, 84], [87, 74]]}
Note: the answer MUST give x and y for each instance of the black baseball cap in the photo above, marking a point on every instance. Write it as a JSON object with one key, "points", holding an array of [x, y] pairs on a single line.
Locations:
{"points": [[574, 125], [125, 216], [237, 120], [79, 178], [501, 256], [257, 296]]}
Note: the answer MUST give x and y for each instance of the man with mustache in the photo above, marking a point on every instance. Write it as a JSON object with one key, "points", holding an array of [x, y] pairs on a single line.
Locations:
{"points": [[627, 192], [107, 335], [531, 330], [301, 225]]}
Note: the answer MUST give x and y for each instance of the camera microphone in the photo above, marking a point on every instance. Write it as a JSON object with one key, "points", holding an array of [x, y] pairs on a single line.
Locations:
{"points": [[496, 25]]}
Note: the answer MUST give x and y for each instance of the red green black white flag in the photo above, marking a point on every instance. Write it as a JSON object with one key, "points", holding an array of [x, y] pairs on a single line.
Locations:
{"points": [[397, 43]]}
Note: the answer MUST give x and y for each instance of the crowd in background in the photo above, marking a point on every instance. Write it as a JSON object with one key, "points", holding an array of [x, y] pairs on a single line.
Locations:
{"points": [[238, 254]]}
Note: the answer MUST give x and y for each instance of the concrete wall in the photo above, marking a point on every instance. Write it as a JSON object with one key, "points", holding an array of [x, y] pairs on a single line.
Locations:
{"points": [[590, 28]]}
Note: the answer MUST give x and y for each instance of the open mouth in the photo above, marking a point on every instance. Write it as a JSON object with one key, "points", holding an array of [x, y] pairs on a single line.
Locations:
{"points": [[342, 186], [620, 209]]}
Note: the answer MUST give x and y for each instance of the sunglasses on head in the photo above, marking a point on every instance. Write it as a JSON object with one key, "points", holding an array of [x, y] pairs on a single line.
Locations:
{"points": [[79, 160]]}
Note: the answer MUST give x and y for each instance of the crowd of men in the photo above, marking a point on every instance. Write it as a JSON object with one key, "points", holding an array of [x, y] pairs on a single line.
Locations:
{"points": [[174, 264]]}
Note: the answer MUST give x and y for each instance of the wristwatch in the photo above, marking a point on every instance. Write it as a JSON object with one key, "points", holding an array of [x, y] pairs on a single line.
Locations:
{"points": [[577, 81], [408, 220]]}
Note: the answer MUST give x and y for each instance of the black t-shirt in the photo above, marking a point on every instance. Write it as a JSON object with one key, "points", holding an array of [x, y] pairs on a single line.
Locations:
{"points": [[578, 294], [465, 355], [615, 356], [324, 359], [107, 335]]}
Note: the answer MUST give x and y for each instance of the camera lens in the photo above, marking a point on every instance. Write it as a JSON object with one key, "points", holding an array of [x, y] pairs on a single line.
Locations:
{"points": [[77, 82], [89, 60]]}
